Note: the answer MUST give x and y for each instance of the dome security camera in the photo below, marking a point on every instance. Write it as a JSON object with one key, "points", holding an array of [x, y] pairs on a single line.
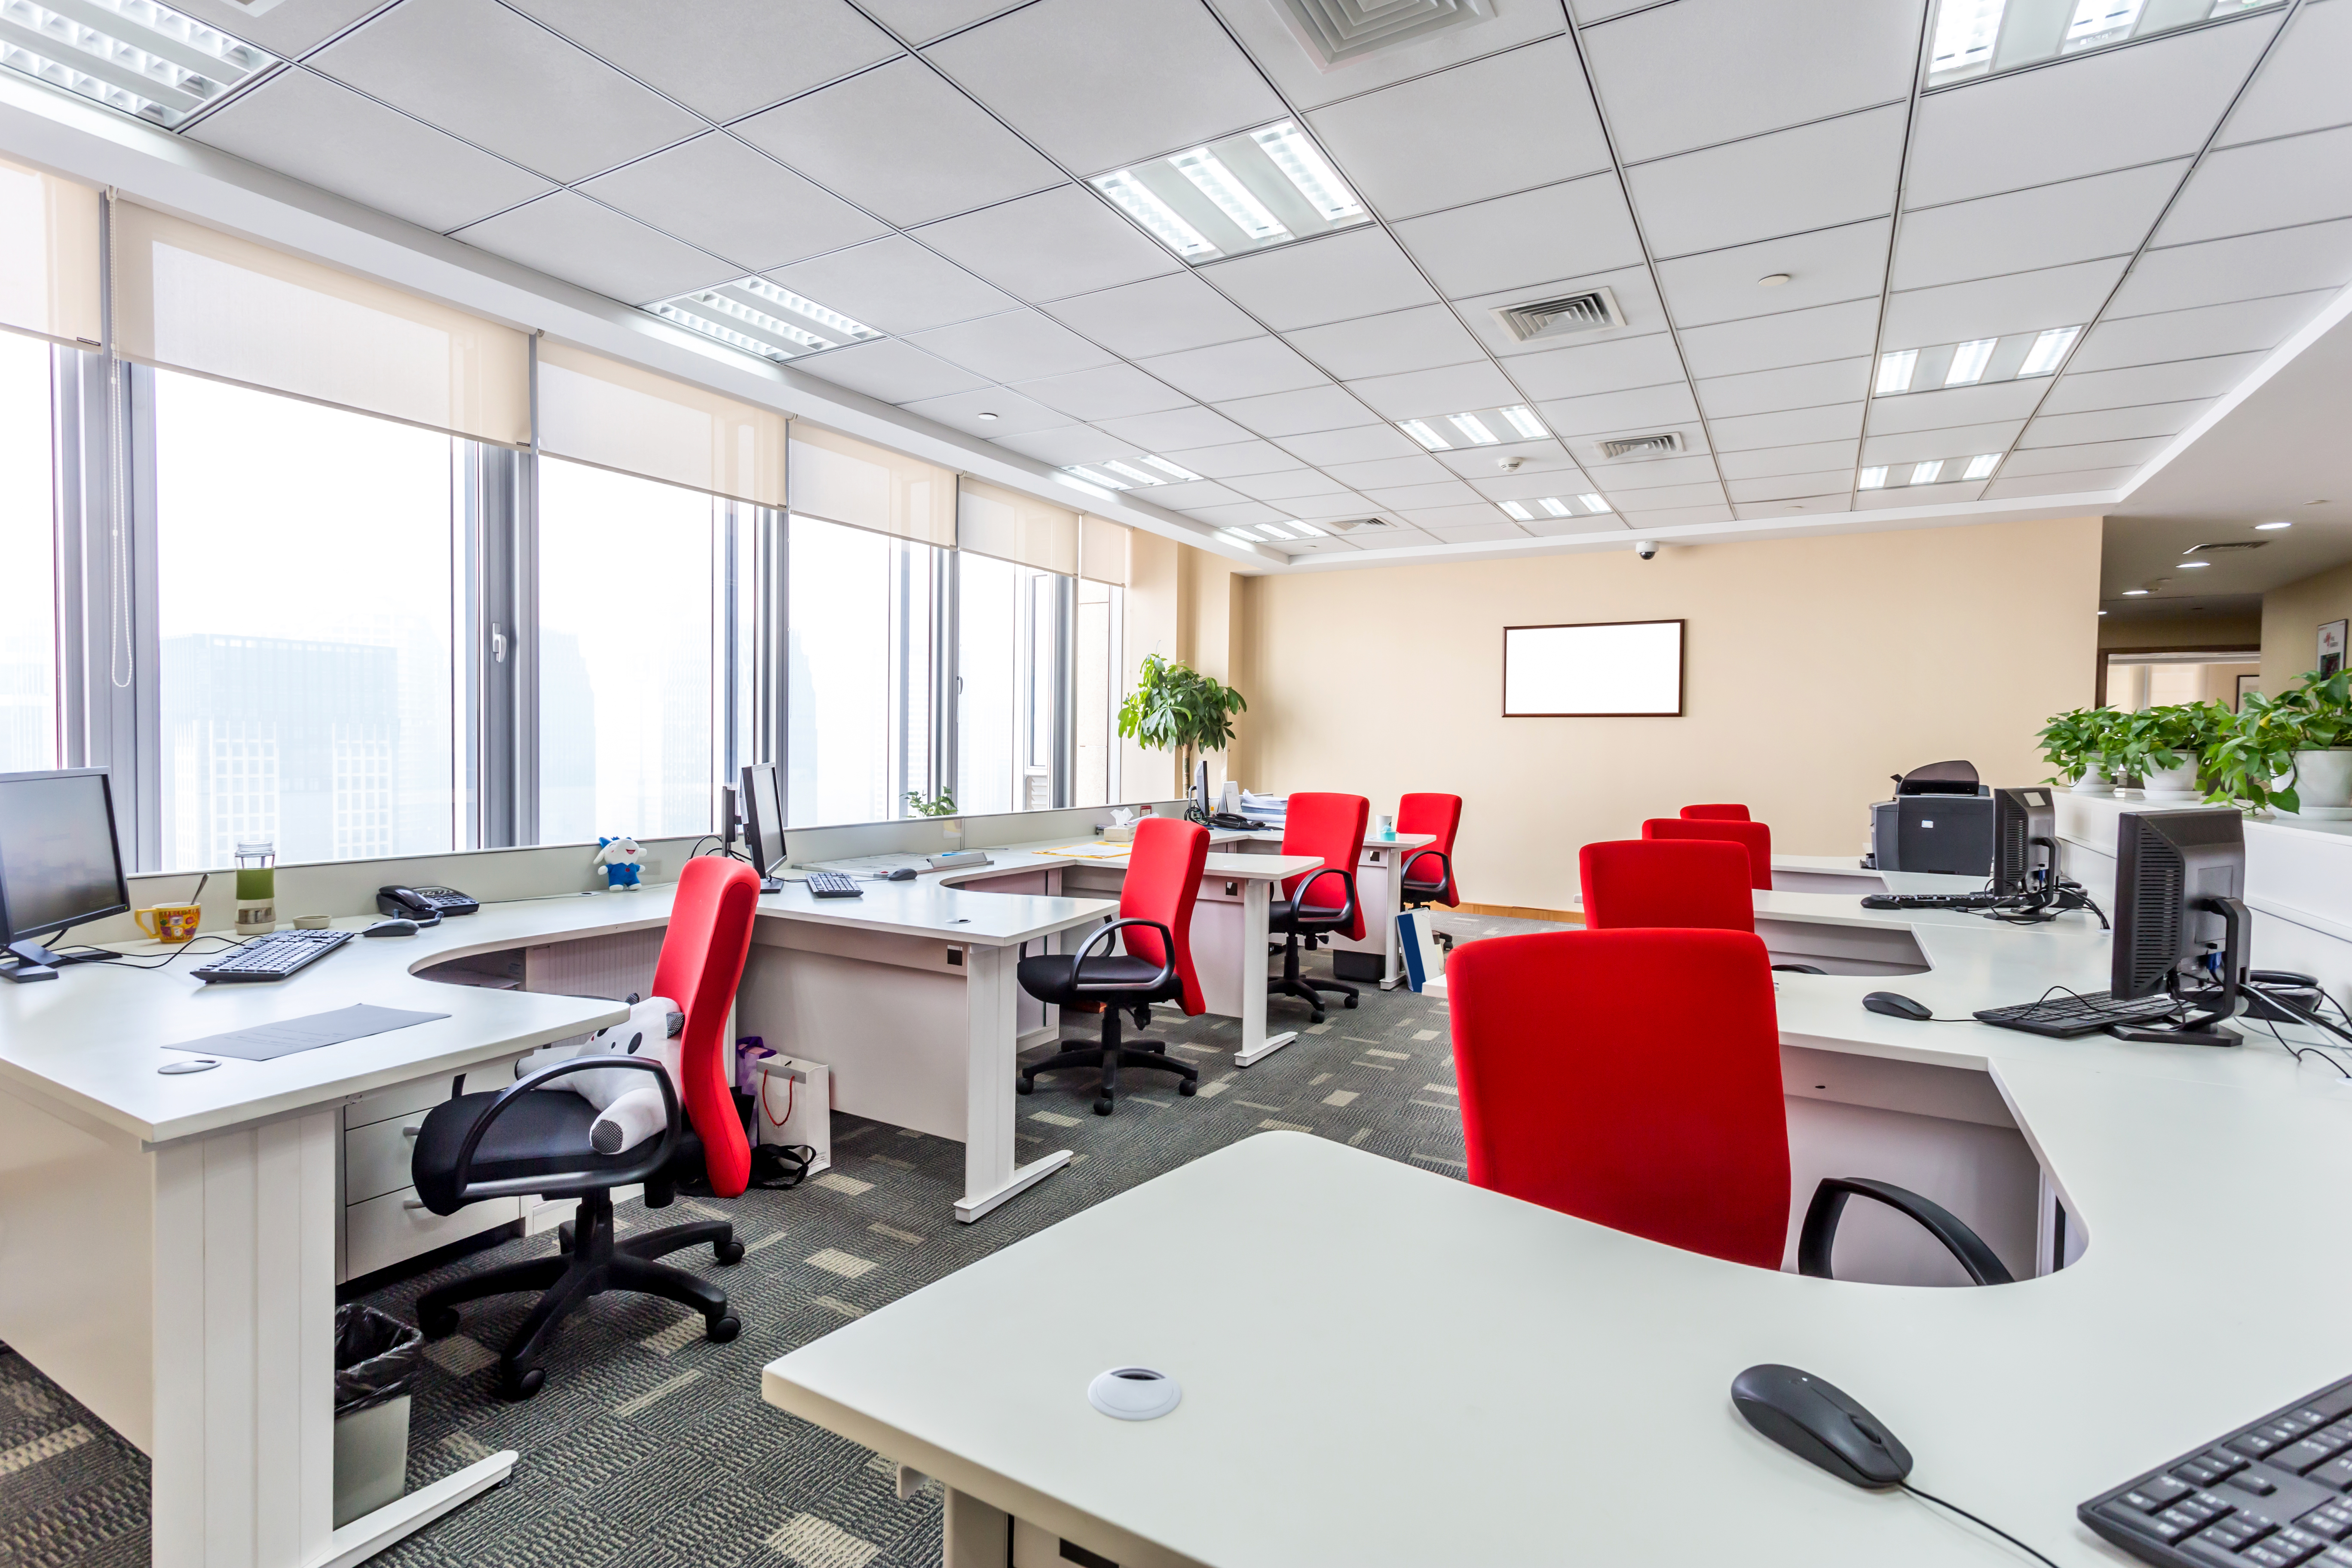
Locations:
{"points": [[1647, 548]]}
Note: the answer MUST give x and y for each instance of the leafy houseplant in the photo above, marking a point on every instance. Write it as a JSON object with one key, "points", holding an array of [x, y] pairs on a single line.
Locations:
{"points": [[2170, 740], [2281, 749], [1176, 708], [940, 805], [2077, 744]]}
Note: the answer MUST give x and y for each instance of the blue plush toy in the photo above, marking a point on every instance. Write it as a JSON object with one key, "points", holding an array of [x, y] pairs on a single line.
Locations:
{"points": [[621, 858]]}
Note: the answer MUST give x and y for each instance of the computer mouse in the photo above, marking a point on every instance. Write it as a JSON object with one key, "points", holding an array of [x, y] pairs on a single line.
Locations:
{"points": [[903, 874], [1894, 1004], [391, 928], [1819, 1422]]}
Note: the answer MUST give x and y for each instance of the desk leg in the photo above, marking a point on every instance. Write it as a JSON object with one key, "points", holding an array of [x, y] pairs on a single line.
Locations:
{"points": [[1391, 972], [991, 999], [1258, 900]]}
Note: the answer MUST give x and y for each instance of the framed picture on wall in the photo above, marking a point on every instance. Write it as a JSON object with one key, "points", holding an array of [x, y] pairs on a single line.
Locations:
{"points": [[1609, 670], [2331, 647], [2245, 683]]}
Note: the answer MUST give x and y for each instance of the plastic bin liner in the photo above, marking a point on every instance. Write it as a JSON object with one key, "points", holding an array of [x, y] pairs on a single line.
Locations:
{"points": [[377, 1357]]}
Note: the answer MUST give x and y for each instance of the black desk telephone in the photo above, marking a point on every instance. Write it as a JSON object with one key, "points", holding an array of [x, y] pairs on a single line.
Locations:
{"points": [[426, 906]]}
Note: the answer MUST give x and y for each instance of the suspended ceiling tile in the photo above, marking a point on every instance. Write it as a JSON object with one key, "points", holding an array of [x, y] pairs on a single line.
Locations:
{"points": [[1106, 392], [1409, 498], [289, 33], [569, 237], [1512, 241], [1632, 499], [1388, 472], [2240, 327], [2078, 391], [1050, 246], [1096, 86], [1797, 427], [2244, 267], [1285, 414], [1185, 497], [2271, 184], [323, 133], [1614, 365], [1921, 446], [1946, 407], [891, 370], [1793, 337], [893, 285], [2127, 455], [2080, 482], [1663, 407], [2101, 111], [2145, 422], [902, 143], [2052, 226], [920, 21], [715, 193], [514, 88], [1825, 268], [722, 57], [1065, 444], [1231, 460], [1759, 511], [1339, 504], [1770, 462], [1184, 429], [1304, 78], [1355, 443], [1284, 485], [1422, 394], [1606, 524], [1535, 126], [1677, 517], [1240, 514], [1561, 480], [1158, 316], [1007, 412], [1422, 338], [1816, 176], [1795, 386], [2301, 86], [1245, 369], [1017, 346], [1358, 273], [1792, 487], [1996, 306], [1454, 524], [1917, 494]]}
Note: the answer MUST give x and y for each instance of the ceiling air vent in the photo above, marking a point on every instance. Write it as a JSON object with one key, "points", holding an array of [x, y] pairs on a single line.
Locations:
{"points": [[1594, 310], [1353, 523], [1657, 445], [2226, 544], [1337, 31]]}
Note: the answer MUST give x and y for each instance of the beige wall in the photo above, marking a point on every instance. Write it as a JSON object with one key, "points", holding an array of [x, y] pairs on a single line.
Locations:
{"points": [[2182, 631], [1813, 669], [2292, 616], [1186, 604]]}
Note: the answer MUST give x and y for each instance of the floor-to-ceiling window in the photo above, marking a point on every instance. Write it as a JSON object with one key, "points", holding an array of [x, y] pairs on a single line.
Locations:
{"points": [[859, 673], [1097, 634], [28, 632], [1010, 716]]}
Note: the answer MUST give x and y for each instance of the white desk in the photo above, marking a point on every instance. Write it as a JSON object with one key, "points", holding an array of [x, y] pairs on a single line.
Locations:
{"points": [[1486, 1381], [1380, 876], [1844, 874]]}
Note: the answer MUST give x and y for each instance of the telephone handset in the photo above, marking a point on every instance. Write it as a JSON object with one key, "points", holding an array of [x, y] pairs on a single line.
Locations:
{"points": [[1233, 820], [426, 906]]}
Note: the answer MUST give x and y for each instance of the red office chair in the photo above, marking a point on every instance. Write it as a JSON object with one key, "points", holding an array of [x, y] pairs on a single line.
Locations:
{"points": [[1756, 836], [1714, 813], [1660, 882], [1155, 909], [1650, 1102], [532, 1138], [1320, 903], [1427, 876]]}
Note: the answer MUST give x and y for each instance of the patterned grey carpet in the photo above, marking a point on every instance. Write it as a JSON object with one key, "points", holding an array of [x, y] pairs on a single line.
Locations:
{"points": [[649, 1447]]}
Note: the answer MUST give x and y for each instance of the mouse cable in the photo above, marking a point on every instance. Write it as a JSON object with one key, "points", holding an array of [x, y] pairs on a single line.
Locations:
{"points": [[1964, 1513]]}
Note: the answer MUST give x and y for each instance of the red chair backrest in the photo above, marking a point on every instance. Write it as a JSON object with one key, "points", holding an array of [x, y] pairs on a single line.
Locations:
{"points": [[701, 963], [1164, 881], [1581, 1093], [1331, 828], [1698, 885], [1755, 835], [1437, 814], [1714, 813]]}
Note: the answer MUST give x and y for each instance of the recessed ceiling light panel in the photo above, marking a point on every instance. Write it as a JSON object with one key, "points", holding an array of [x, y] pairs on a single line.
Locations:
{"points": [[1979, 38], [1974, 363], [754, 315], [142, 58], [1238, 193], [1476, 428]]}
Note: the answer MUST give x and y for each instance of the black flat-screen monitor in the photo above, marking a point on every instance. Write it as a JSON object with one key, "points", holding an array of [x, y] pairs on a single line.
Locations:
{"points": [[763, 818], [60, 864], [2024, 840], [2180, 879]]}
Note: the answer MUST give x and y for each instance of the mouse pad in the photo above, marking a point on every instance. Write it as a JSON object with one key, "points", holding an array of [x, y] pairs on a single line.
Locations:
{"points": [[266, 1042]]}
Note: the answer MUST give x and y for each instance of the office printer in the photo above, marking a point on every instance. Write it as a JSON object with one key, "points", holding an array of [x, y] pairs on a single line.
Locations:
{"points": [[1940, 820]]}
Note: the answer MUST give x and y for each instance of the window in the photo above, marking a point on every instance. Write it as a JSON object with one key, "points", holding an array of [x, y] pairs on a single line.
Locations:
{"points": [[1010, 634], [304, 583], [859, 645], [28, 632], [1098, 636], [628, 599]]}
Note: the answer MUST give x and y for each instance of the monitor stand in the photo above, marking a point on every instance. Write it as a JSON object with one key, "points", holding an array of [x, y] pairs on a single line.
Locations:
{"points": [[35, 961]]}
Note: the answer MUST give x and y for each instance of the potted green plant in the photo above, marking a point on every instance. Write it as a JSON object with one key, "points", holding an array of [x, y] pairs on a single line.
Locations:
{"points": [[2291, 753], [2076, 743], [1176, 708], [2166, 746]]}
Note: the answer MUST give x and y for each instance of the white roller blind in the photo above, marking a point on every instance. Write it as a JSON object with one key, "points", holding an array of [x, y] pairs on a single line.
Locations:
{"points": [[840, 479], [1103, 557], [1011, 526], [600, 411], [48, 256], [189, 298]]}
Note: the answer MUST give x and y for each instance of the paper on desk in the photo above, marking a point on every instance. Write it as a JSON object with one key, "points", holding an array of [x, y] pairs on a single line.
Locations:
{"points": [[266, 1042], [1092, 851]]}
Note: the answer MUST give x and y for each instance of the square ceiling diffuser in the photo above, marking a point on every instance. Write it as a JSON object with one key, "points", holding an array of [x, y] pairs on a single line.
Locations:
{"points": [[1337, 31]]}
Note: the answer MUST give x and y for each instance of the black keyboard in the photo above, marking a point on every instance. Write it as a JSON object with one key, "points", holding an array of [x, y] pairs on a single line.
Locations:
{"points": [[272, 957], [834, 885], [1932, 900], [2269, 1494], [2068, 1014]]}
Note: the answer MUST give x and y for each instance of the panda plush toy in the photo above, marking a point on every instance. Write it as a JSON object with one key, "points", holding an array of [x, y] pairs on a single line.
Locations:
{"points": [[628, 1103]]}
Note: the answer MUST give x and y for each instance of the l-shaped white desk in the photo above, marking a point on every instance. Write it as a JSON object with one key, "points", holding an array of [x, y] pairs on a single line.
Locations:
{"points": [[1472, 1379]]}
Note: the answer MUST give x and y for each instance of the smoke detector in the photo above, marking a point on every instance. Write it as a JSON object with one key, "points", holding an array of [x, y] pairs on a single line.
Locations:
{"points": [[1593, 310], [1338, 31], [1657, 446]]}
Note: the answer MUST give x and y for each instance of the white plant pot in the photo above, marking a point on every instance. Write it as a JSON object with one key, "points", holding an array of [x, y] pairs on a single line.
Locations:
{"points": [[2172, 784], [2323, 784], [2094, 783]]}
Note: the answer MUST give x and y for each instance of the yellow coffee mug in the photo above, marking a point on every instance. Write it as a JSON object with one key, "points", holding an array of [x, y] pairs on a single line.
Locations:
{"points": [[170, 922]]}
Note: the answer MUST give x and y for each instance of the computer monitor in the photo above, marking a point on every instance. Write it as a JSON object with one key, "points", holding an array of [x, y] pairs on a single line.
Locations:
{"points": [[1200, 790], [2024, 841], [2180, 922], [60, 865], [762, 806]]}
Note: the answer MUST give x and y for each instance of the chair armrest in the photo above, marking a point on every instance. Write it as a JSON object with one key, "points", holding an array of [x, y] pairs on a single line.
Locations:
{"points": [[1444, 867], [1800, 969], [1167, 975], [1820, 1235], [1345, 913], [470, 1191]]}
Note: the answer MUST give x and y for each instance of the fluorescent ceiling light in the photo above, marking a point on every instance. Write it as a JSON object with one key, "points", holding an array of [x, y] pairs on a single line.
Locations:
{"points": [[1140, 204], [1214, 181], [1472, 426], [1130, 471], [1964, 31], [2270, 527], [1895, 372], [1926, 473], [1555, 506], [1241, 536], [1078, 484], [1516, 510], [1420, 431], [1981, 466], [2048, 349], [1273, 529], [2134, 593], [1592, 502], [754, 315], [1308, 529], [2097, 21], [135, 56], [1872, 479], [1303, 164], [1170, 469], [1968, 362], [1524, 421], [1090, 477], [1974, 38]]}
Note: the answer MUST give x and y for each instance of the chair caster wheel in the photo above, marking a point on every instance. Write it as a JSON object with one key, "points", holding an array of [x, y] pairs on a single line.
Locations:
{"points": [[1026, 1086], [1317, 1016], [1348, 1002], [1187, 1087], [438, 1324], [728, 1251], [563, 1236], [1102, 1106], [720, 1330], [521, 1382]]}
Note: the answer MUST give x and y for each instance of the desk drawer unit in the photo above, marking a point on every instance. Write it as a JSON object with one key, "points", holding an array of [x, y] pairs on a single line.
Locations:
{"points": [[384, 1230]]}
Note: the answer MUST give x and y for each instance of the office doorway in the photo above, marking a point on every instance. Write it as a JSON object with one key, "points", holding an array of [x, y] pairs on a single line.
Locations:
{"points": [[2137, 679]]}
